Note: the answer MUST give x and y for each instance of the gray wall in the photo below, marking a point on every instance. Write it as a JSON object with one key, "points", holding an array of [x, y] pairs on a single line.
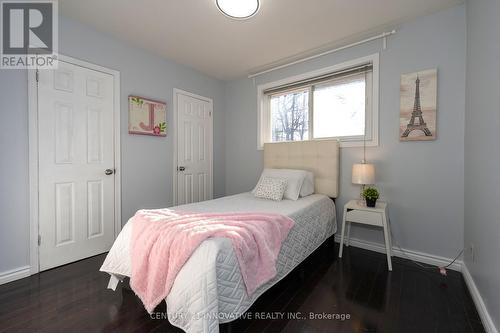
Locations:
{"points": [[423, 181], [482, 160], [146, 161]]}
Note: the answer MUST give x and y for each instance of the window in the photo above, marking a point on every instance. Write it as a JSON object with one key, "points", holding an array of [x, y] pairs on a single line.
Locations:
{"points": [[337, 102], [290, 116]]}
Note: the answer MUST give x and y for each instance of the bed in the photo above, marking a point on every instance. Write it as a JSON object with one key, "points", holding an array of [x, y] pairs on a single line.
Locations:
{"points": [[209, 289]]}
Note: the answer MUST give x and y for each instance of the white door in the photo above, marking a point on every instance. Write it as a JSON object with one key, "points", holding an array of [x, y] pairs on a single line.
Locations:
{"points": [[194, 148], [76, 164]]}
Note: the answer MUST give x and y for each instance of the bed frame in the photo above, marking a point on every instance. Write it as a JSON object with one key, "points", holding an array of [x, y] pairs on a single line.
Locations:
{"points": [[319, 156]]}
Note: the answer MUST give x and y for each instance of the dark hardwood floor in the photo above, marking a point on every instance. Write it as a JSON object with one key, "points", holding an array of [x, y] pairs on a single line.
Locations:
{"points": [[74, 298]]}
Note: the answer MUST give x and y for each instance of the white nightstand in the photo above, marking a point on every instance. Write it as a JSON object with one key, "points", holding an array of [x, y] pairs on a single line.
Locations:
{"points": [[356, 211]]}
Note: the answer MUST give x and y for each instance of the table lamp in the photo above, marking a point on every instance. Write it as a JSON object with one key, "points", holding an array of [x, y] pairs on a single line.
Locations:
{"points": [[363, 174]]}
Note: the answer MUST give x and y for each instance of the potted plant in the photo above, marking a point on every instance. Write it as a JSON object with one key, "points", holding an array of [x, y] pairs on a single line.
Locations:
{"points": [[371, 195]]}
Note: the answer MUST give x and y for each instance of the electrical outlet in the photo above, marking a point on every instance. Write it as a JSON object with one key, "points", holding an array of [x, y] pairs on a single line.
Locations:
{"points": [[472, 252]]}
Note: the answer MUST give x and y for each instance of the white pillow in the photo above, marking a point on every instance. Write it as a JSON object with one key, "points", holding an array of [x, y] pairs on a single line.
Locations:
{"points": [[294, 178], [271, 188], [308, 185]]}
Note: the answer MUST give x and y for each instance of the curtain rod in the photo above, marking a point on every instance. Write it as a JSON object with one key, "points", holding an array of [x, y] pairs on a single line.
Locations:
{"points": [[382, 35]]}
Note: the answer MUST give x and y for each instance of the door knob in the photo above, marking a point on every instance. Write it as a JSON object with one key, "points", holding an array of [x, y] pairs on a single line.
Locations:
{"points": [[181, 168], [108, 172]]}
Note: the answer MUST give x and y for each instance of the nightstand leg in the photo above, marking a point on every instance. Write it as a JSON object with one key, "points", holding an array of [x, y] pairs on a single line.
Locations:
{"points": [[348, 233], [390, 235], [343, 232], [387, 237]]}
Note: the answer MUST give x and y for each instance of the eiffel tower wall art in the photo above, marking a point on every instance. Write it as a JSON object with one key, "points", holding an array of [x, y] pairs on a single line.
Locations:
{"points": [[417, 120]]}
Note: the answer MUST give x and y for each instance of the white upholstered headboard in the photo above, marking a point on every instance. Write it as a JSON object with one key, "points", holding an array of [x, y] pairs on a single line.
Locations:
{"points": [[319, 156]]}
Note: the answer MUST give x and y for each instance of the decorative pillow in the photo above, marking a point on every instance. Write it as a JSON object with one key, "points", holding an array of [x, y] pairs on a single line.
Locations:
{"points": [[271, 188], [308, 185], [294, 178]]}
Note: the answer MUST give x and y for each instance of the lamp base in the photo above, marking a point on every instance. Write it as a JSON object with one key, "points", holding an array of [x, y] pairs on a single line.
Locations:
{"points": [[361, 192]]}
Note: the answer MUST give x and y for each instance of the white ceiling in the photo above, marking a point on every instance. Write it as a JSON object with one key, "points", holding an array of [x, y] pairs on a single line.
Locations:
{"points": [[195, 33]]}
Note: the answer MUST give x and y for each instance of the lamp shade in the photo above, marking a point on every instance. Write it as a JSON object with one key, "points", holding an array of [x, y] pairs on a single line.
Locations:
{"points": [[363, 174]]}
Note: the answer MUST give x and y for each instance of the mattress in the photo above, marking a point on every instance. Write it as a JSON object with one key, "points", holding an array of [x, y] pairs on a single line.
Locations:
{"points": [[209, 289]]}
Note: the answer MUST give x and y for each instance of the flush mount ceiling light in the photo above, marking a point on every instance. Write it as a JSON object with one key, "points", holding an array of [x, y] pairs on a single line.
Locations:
{"points": [[238, 9]]}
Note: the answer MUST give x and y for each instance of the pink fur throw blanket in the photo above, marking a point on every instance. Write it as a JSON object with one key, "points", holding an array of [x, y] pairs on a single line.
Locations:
{"points": [[163, 240]]}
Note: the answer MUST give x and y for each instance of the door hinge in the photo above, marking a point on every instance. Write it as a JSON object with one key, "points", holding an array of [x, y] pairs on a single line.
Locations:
{"points": [[39, 240], [37, 75], [210, 113]]}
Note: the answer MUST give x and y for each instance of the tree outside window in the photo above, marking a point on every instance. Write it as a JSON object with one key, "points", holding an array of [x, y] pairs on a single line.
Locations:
{"points": [[290, 116]]}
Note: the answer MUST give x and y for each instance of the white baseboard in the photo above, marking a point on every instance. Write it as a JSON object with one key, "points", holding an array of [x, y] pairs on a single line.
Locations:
{"points": [[15, 274], [425, 258], [486, 319]]}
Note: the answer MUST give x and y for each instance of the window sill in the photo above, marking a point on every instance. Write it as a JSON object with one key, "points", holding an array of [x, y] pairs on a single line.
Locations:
{"points": [[345, 144], [350, 144]]}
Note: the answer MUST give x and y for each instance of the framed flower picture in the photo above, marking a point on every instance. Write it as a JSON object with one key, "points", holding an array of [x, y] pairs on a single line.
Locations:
{"points": [[147, 117]]}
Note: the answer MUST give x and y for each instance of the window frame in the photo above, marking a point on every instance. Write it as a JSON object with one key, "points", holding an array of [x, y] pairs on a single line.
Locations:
{"points": [[371, 118]]}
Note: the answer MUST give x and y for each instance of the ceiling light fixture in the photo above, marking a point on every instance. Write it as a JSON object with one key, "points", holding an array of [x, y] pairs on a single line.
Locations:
{"points": [[238, 9]]}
